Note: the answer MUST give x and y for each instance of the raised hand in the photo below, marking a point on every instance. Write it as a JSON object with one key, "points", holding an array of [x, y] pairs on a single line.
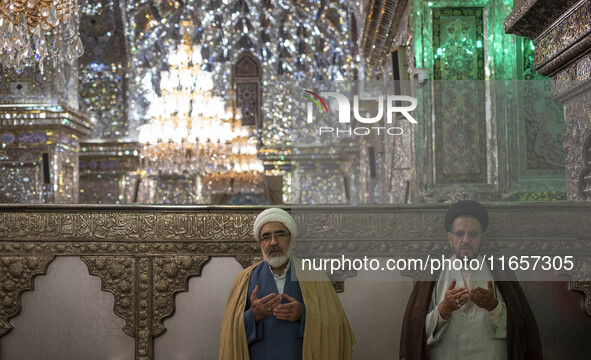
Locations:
{"points": [[290, 311], [484, 298], [454, 299], [262, 308]]}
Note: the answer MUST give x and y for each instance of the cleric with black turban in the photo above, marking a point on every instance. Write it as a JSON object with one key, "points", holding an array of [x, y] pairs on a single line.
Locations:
{"points": [[468, 313], [469, 208]]}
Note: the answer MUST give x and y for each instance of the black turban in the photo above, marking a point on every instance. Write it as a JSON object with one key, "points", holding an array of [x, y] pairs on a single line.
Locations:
{"points": [[466, 207]]}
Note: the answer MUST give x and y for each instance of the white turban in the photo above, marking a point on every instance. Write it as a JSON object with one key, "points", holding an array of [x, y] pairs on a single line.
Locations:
{"points": [[274, 214]]}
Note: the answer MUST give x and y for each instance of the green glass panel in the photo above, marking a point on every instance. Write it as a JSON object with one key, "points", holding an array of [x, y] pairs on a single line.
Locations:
{"points": [[457, 40], [460, 128]]}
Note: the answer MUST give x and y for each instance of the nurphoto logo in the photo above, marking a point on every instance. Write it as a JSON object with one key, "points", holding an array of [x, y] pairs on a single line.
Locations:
{"points": [[391, 103]]}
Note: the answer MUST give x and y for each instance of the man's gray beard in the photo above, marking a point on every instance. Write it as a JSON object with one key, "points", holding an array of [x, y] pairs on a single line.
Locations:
{"points": [[277, 261]]}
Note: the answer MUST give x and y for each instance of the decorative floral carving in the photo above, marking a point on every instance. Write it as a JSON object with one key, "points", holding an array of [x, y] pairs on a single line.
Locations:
{"points": [[577, 111], [117, 275], [144, 340], [246, 261], [571, 29], [338, 278], [171, 275], [16, 276], [113, 225]]}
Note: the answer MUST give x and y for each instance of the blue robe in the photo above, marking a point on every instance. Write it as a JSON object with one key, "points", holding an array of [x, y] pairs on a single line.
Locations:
{"points": [[272, 338]]}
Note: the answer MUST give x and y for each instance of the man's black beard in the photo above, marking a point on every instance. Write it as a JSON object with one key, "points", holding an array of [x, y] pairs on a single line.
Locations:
{"points": [[458, 256]]}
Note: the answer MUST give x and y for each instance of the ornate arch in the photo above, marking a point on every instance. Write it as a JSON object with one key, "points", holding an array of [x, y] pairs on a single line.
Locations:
{"points": [[17, 275]]}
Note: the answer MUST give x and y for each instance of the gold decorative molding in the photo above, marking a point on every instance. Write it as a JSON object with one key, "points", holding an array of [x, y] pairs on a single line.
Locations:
{"points": [[17, 274], [171, 275], [144, 289], [530, 17], [371, 231], [560, 29], [573, 79], [145, 228], [573, 26], [144, 342], [118, 275], [128, 247], [120, 224]]}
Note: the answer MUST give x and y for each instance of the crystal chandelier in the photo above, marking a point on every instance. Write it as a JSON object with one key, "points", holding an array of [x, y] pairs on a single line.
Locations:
{"points": [[30, 30], [195, 134]]}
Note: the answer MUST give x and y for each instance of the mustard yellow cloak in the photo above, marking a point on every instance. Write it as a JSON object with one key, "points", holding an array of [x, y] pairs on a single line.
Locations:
{"points": [[327, 334]]}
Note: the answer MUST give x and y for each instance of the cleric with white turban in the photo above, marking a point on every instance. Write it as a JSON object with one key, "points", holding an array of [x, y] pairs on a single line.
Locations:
{"points": [[274, 214], [265, 315]]}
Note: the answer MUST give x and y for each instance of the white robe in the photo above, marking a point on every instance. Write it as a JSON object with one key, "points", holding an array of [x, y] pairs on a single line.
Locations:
{"points": [[470, 332]]}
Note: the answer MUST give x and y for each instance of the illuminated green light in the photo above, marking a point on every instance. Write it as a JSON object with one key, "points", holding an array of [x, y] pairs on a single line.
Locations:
{"points": [[282, 157], [532, 46], [430, 3], [439, 52], [469, 52], [479, 44]]}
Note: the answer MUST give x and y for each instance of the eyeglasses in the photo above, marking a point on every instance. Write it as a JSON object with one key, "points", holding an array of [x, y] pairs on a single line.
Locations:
{"points": [[461, 233], [279, 236]]}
